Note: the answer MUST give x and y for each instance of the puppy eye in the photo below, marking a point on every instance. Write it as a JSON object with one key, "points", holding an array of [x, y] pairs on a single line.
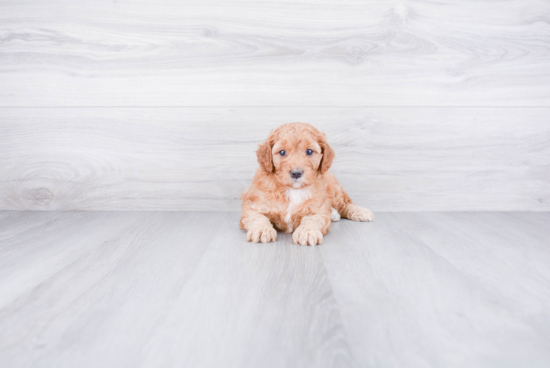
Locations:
{"points": [[282, 153], [309, 152]]}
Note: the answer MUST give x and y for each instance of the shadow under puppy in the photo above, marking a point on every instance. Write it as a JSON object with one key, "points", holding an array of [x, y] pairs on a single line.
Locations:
{"points": [[293, 191]]}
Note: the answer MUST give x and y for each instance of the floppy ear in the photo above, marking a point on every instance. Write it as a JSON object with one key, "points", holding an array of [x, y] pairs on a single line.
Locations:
{"points": [[265, 158], [328, 154]]}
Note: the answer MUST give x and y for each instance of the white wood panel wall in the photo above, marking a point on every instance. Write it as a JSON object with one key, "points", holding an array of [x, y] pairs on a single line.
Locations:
{"points": [[202, 158], [127, 105], [275, 53]]}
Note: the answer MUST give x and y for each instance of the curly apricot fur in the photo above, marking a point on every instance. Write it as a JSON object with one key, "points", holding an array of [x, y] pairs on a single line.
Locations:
{"points": [[303, 205]]}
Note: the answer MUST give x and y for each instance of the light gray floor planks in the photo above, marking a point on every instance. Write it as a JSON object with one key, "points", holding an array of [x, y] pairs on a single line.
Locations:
{"points": [[179, 289]]}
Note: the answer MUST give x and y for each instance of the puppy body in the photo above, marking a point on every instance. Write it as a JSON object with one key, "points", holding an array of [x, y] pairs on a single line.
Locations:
{"points": [[293, 191]]}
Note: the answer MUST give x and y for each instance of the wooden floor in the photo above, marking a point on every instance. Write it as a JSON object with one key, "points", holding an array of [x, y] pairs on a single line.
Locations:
{"points": [[165, 289]]}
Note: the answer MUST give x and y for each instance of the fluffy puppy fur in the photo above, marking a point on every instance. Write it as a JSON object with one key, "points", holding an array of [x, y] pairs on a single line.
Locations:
{"points": [[293, 191]]}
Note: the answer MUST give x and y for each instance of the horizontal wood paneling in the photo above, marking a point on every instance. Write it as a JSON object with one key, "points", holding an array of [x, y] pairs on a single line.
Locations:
{"points": [[392, 159], [287, 53]]}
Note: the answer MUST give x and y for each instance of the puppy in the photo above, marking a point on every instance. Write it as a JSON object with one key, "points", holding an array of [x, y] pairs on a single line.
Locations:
{"points": [[293, 191]]}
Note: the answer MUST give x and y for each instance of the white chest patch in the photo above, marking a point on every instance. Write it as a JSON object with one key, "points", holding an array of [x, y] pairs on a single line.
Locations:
{"points": [[296, 197]]}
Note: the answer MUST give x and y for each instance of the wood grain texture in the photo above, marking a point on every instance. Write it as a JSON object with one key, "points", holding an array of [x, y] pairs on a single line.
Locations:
{"points": [[457, 284], [288, 53], [389, 159], [172, 289]]}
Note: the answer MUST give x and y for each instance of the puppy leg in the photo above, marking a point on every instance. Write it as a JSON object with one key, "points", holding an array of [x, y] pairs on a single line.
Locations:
{"points": [[311, 229], [355, 213], [343, 203], [347, 209], [258, 227]]}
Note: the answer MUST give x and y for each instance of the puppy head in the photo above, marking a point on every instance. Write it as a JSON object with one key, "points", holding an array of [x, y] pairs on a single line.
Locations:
{"points": [[296, 154]]}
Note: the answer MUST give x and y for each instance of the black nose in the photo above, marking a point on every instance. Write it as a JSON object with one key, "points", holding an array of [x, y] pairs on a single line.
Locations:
{"points": [[296, 174]]}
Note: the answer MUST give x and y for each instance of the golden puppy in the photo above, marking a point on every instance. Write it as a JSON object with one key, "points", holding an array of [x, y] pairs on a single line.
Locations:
{"points": [[293, 190]]}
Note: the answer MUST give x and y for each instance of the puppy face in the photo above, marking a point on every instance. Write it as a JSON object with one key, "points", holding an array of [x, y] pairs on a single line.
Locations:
{"points": [[295, 154]]}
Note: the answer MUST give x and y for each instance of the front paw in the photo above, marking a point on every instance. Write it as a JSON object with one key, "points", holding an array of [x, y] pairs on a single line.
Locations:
{"points": [[307, 236], [361, 214], [264, 234]]}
